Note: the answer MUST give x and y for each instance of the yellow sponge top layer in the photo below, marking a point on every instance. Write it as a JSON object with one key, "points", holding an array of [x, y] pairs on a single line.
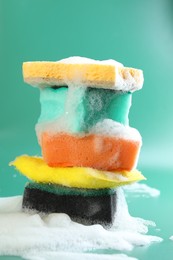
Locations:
{"points": [[78, 177], [83, 72]]}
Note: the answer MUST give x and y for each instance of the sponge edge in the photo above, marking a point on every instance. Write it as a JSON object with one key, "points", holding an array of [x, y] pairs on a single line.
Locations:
{"points": [[85, 210], [89, 74], [78, 177], [96, 151], [63, 190]]}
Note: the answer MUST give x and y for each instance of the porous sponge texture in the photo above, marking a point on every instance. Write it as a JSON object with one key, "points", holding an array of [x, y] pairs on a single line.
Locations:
{"points": [[92, 106], [95, 151], [59, 73], [63, 190], [94, 75], [37, 170], [87, 210]]}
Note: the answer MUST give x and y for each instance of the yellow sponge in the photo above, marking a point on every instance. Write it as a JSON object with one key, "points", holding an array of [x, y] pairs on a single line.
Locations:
{"points": [[101, 74], [37, 170]]}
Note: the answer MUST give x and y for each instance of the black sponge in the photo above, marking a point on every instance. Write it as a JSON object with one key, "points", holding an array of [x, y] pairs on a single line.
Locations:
{"points": [[98, 209]]}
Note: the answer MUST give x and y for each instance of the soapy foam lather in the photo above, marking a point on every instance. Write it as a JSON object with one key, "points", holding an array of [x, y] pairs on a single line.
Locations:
{"points": [[31, 234]]}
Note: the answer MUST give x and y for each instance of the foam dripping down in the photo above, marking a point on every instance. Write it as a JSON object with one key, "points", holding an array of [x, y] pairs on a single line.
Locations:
{"points": [[37, 234]]}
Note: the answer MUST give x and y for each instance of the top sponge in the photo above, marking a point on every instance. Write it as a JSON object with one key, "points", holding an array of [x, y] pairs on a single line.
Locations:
{"points": [[83, 72]]}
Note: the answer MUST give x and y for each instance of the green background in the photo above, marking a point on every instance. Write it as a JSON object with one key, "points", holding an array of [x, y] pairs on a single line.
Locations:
{"points": [[137, 33]]}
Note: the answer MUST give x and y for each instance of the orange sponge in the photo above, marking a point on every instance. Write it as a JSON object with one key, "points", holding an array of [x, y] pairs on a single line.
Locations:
{"points": [[95, 151]]}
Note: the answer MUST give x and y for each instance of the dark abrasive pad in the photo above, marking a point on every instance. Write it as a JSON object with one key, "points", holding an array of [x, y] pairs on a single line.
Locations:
{"points": [[87, 210]]}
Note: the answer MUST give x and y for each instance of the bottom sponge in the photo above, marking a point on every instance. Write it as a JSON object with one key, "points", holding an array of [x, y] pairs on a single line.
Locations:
{"points": [[86, 209]]}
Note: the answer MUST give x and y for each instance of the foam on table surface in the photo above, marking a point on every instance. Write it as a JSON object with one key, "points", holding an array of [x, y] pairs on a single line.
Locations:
{"points": [[44, 234]]}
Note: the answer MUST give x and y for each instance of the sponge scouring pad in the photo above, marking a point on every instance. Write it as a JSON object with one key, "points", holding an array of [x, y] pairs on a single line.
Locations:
{"points": [[86, 210], [92, 105], [86, 72], [93, 150], [63, 190], [37, 170]]}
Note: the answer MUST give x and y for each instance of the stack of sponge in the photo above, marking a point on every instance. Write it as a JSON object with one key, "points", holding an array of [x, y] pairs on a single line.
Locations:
{"points": [[88, 147]]}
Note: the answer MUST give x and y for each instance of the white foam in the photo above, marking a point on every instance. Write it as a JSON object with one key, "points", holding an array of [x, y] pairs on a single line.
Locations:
{"points": [[108, 127], [125, 82], [140, 189], [83, 60], [33, 234], [125, 222], [10, 204], [76, 256]]}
